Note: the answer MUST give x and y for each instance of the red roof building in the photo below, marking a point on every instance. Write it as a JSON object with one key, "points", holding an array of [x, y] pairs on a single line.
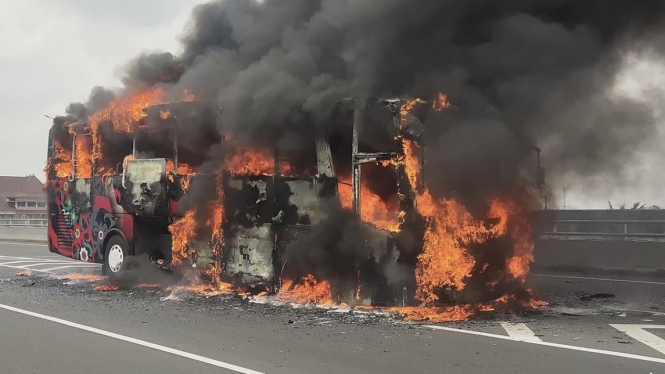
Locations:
{"points": [[22, 201]]}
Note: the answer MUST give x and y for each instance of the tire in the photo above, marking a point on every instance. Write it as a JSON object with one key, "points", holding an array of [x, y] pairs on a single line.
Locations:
{"points": [[115, 256]]}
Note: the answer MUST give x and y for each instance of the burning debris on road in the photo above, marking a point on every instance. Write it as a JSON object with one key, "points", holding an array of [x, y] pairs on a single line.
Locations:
{"points": [[278, 159], [106, 287]]}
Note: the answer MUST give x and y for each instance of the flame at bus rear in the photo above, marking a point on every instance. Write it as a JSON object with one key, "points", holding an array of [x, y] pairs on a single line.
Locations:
{"points": [[451, 230]]}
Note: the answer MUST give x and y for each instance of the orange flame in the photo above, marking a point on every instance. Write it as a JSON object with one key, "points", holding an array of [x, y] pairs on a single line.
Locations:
{"points": [[62, 160], [183, 169], [106, 287], [373, 209], [188, 96], [309, 291], [81, 276], [24, 273], [518, 265], [123, 114], [205, 289], [465, 311], [436, 314], [181, 231], [126, 110], [445, 260], [250, 162], [82, 157], [164, 114], [408, 107], [185, 180], [215, 221], [441, 103], [411, 162]]}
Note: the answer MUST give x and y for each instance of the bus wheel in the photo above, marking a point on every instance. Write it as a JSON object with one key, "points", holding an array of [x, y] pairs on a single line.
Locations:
{"points": [[115, 258]]}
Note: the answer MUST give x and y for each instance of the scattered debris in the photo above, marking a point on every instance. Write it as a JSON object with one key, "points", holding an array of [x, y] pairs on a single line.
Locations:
{"points": [[602, 295], [171, 296], [24, 273]]}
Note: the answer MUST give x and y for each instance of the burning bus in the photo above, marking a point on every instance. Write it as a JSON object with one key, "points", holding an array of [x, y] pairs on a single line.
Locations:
{"points": [[132, 180]]}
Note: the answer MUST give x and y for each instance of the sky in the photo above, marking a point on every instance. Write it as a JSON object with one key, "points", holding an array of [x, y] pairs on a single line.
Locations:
{"points": [[54, 51], [643, 79]]}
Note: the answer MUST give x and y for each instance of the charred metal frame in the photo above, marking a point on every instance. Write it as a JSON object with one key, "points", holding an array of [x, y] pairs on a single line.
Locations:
{"points": [[358, 159], [361, 158]]}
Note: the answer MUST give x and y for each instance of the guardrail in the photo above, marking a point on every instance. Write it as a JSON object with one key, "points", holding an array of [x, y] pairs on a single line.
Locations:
{"points": [[649, 230], [23, 222]]}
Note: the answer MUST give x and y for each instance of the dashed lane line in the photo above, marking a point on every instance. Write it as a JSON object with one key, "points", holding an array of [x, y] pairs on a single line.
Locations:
{"points": [[548, 344], [143, 343], [520, 332], [639, 333]]}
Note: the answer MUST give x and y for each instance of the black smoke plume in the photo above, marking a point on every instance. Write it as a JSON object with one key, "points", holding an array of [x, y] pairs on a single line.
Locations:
{"points": [[519, 73]]}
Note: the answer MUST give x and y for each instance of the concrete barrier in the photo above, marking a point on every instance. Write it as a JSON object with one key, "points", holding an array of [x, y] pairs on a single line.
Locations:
{"points": [[601, 241], [27, 234], [586, 256]]}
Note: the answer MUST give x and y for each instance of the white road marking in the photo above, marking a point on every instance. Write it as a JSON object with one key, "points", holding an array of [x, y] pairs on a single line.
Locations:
{"points": [[143, 343], [639, 333], [33, 262], [22, 268], [63, 264], [29, 263], [25, 244], [654, 314], [28, 258], [67, 267], [520, 332], [598, 279], [555, 345]]}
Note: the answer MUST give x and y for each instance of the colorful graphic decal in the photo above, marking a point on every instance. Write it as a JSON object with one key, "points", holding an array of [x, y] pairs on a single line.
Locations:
{"points": [[78, 231], [82, 243]]}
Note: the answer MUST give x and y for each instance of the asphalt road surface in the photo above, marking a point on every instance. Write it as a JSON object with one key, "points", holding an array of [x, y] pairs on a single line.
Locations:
{"points": [[50, 322]]}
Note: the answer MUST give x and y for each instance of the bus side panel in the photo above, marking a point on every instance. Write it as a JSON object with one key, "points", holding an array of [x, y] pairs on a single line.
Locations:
{"points": [[69, 231], [108, 214], [82, 243]]}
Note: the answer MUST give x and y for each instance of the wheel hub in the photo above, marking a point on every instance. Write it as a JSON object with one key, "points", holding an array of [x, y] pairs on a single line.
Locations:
{"points": [[116, 258]]}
